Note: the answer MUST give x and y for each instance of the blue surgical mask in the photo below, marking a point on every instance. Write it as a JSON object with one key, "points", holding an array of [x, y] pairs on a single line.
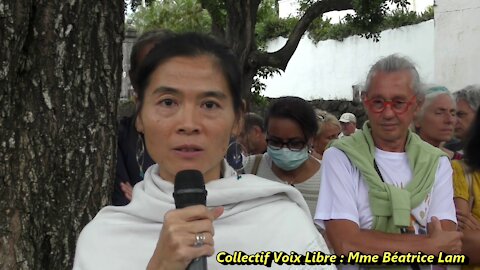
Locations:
{"points": [[287, 159]]}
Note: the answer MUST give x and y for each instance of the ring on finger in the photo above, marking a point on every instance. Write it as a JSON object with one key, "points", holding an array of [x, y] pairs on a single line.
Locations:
{"points": [[199, 239]]}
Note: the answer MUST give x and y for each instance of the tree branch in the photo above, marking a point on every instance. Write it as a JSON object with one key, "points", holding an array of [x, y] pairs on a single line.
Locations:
{"points": [[280, 58], [218, 22]]}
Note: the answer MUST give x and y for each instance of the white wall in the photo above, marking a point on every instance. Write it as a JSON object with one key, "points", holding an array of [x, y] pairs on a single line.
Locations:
{"points": [[420, 5], [329, 69], [290, 8], [457, 43]]}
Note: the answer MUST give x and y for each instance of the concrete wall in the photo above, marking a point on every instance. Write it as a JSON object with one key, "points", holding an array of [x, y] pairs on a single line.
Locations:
{"points": [[457, 43], [331, 68], [290, 8]]}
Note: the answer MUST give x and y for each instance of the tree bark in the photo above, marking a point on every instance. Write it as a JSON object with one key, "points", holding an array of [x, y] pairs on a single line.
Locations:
{"points": [[240, 36], [214, 9], [60, 81]]}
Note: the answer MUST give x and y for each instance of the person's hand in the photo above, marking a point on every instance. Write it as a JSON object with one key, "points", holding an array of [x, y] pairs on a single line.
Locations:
{"points": [[176, 246], [127, 190], [447, 241], [466, 221]]}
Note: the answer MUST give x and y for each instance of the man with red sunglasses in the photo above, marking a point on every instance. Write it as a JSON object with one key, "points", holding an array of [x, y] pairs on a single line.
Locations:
{"points": [[383, 189]]}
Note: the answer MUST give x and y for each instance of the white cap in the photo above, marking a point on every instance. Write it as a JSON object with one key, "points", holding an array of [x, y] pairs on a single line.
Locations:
{"points": [[347, 118]]}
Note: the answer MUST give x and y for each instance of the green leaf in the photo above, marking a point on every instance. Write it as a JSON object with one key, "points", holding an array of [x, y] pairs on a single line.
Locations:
{"points": [[177, 16]]}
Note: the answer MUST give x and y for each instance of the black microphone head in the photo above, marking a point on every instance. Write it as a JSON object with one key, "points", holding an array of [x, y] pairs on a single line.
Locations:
{"points": [[189, 189]]}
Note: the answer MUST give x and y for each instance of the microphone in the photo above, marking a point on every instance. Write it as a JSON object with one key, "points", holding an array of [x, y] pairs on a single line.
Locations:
{"points": [[189, 189]]}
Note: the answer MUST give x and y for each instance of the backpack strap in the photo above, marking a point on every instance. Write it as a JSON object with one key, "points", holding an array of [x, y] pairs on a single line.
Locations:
{"points": [[256, 164]]}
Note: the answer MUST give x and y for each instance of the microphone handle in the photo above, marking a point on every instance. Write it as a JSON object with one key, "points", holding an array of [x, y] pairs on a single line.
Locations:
{"points": [[198, 264], [190, 190]]}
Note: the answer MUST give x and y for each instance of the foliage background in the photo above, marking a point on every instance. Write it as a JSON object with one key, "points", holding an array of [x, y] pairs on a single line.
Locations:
{"points": [[189, 15]]}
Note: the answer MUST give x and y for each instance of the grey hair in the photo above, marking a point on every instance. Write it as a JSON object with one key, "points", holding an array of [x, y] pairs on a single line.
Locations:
{"points": [[251, 119], [471, 94], [430, 93], [394, 63], [324, 117]]}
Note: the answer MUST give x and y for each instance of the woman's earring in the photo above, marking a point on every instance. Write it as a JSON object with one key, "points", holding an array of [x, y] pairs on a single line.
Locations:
{"points": [[234, 157], [140, 153]]}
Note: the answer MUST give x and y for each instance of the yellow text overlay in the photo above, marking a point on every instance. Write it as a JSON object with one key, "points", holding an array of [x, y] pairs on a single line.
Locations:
{"points": [[266, 258]]}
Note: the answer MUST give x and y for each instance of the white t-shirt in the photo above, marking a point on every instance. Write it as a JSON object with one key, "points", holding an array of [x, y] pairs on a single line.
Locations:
{"points": [[344, 192], [308, 188]]}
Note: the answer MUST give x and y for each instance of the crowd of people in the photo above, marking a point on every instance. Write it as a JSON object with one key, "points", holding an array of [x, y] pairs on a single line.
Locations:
{"points": [[407, 180]]}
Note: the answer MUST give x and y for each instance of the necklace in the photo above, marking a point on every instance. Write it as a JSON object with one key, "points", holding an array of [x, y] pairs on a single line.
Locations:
{"points": [[291, 179], [288, 178]]}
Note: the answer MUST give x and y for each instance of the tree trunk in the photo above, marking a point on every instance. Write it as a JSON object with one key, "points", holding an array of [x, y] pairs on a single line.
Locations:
{"points": [[60, 81], [240, 35], [248, 76]]}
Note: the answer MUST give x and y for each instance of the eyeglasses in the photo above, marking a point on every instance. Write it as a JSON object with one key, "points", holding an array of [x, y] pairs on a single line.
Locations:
{"points": [[294, 145], [398, 105]]}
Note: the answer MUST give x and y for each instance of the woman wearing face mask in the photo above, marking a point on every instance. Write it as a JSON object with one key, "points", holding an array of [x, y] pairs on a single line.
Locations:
{"points": [[291, 125]]}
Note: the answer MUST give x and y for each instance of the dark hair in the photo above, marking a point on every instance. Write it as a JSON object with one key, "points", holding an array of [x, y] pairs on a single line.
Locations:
{"points": [[472, 152], [296, 109], [191, 45], [153, 37], [251, 120]]}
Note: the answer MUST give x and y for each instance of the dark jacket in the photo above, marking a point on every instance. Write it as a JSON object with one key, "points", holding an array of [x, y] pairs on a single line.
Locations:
{"points": [[128, 167]]}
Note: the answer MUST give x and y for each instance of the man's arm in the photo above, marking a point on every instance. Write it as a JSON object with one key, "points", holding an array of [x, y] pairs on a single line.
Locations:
{"points": [[346, 236]]}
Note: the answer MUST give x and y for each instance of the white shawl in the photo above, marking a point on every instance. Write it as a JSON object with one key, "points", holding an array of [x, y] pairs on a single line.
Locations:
{"points": [[260, 215]]}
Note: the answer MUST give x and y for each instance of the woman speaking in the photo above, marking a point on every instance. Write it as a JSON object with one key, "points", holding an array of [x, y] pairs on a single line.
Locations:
{"points": [[190, 105]]}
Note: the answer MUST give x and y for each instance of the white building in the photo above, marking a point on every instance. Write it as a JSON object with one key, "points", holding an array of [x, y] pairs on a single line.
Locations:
{"points": [[457, 43]]}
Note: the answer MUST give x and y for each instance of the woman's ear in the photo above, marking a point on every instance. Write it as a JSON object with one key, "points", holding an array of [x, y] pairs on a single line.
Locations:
{"points": [[139, 123], [239, 120], [238, 125], [310, 142], [257, 131]]}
